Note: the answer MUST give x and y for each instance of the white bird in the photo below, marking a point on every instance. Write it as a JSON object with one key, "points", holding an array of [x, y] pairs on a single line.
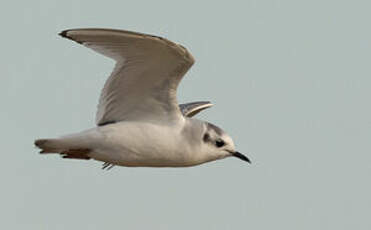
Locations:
{"points": [[139, 122]]}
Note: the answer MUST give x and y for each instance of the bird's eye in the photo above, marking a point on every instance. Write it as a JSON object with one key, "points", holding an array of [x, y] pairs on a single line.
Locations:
{"points": [[219, 143]]}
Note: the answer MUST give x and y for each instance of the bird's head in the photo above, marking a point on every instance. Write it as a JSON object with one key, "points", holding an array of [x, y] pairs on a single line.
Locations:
{"points": [[219, 144]]}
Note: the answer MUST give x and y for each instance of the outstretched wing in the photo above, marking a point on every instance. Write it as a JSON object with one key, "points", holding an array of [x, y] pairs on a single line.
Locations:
{"points": [[191, 109], [145, 78]]}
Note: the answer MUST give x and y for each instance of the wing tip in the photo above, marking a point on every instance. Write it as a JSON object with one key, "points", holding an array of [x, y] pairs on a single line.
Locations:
{"points": [[206, 104], [193, 108], [64, 34]]}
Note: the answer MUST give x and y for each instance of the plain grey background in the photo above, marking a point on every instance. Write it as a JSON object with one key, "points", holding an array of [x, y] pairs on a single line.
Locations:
{"points": [[290, 81]]}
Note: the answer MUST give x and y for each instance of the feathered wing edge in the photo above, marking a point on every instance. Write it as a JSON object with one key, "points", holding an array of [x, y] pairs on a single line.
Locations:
{"points": [[193, 108]]}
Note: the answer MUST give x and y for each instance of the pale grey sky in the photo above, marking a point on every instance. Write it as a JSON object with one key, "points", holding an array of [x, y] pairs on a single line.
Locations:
{"points": [[290, 81]]}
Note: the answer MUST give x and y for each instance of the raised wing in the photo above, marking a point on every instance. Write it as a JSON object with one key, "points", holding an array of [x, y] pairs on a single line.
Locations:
{"points": [[145, 78], [191, 109]]}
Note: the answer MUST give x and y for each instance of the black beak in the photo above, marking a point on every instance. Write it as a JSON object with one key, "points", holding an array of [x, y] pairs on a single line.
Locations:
{"points": [[241, 156]]}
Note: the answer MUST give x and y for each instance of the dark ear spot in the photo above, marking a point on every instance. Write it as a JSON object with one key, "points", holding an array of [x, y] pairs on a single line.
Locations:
{"points": [[206, 137]]}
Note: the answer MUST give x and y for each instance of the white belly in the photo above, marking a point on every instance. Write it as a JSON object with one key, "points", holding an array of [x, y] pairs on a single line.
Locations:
{"points": [[138, 144]]}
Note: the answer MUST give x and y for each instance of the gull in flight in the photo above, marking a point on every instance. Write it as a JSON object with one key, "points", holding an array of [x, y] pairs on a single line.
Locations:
{"points": [[139, 121]]}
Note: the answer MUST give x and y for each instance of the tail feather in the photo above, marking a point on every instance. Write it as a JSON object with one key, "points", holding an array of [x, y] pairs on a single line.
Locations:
{"points": [[49, 145], [61, 147]]}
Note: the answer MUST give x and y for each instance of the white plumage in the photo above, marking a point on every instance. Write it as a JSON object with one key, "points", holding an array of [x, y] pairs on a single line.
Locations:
{"points": [[139, 120]]}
